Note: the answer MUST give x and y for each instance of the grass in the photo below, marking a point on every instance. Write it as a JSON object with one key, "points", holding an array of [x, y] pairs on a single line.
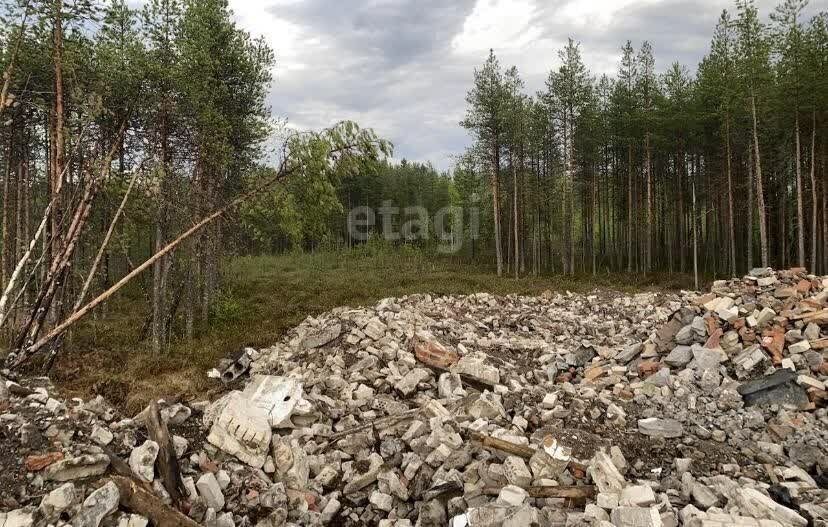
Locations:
{"points": [[265, 296]]}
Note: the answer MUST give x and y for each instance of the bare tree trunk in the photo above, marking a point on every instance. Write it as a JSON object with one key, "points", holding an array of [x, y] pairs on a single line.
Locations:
{"points": [[496, 205], [57, 145], [814, 201], [824, 208], [4, 248], [760, 192], [695, 240], [22, 263], [648, 262], [731, 232], [800, 208], [516, 224], [783, 225], [629, 209], [750, 210], [157, 290], [680, 166]]}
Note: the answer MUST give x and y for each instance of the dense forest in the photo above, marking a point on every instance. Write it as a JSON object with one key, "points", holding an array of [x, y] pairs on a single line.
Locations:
{"points": [[133, 143], [632, 172]]}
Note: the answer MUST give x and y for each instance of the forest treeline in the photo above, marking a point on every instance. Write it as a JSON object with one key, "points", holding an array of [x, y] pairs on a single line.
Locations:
{"points": [[623, 173]]}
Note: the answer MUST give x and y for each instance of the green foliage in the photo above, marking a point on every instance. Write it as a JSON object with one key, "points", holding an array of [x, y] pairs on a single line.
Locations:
{"points": [[226, 309]]}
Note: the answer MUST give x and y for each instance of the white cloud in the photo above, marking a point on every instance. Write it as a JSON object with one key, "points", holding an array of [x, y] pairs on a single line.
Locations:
{"points": [[499, 24]]}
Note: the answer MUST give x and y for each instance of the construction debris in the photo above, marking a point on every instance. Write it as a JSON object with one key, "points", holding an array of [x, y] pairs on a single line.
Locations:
{"points": [[599, 409]]}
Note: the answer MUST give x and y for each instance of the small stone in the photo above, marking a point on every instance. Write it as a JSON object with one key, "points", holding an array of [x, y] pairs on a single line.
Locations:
{"points": [[142, 460], [79, 467], [57, 501], [703, 496], [210, 490], [605, 474], [97, 506], [679, 357], [223, 479], [408, 384], [17, 518], [657, 427], [516, 471], [637, 495], [636, 517], [512, 496], [101, 435], [800, 347], [381, 501]]}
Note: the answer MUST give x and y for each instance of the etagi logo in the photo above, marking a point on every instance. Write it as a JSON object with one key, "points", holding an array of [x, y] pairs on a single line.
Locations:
{"points": [[448, 226]]}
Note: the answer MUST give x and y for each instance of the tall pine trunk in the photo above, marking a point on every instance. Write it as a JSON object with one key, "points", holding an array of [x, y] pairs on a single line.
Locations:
{"points": [[496, 206], [750, 210], [814, 201], [648, 262], [4, 248], [760, 192], [731, 234], [629, 208], [515, 222], [800, 208]]}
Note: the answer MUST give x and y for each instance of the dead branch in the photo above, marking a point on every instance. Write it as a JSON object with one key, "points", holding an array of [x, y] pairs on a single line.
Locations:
{"points": [[136, 498], [61, 264], [167, 461], [21, 264], [23, 260], [93, 270], [22, 290], [24, 354], [504, 446]]}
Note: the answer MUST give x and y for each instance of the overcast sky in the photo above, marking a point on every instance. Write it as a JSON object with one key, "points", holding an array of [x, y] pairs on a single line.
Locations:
{"points": [[403, 67]]}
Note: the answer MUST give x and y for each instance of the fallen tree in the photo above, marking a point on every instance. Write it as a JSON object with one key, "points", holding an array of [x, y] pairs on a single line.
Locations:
{"points": [[301, 153]]}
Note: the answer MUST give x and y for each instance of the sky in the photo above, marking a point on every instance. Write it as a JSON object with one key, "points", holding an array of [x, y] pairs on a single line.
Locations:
{"points": [[403, 67]]}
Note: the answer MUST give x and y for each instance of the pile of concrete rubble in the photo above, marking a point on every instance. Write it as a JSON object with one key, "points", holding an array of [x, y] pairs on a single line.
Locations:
{"points": [[595, 410]]}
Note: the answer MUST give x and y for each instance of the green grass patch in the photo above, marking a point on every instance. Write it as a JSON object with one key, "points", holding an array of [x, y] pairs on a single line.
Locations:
{"points": [[264, 296]]}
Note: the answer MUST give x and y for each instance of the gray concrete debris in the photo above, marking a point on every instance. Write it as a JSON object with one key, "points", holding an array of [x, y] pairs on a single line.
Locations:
{"points": [[142, 460], [651, 398], [97, 506], [85, 466], [778, 388], [657, 427]]}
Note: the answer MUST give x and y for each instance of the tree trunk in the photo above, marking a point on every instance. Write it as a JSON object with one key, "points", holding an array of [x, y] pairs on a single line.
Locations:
{"points": [[800, 208], [496, 206], [648, 261], [731, 233], [4, 248], [629, 208], [57, 144], [814, 201], [680, 166], [516, 224], [760, 192], [695, 238], [750, 211]]}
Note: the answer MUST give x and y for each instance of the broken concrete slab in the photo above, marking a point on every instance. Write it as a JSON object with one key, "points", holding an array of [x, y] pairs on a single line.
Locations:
{"points": [[778, 388], [658, 427]]}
